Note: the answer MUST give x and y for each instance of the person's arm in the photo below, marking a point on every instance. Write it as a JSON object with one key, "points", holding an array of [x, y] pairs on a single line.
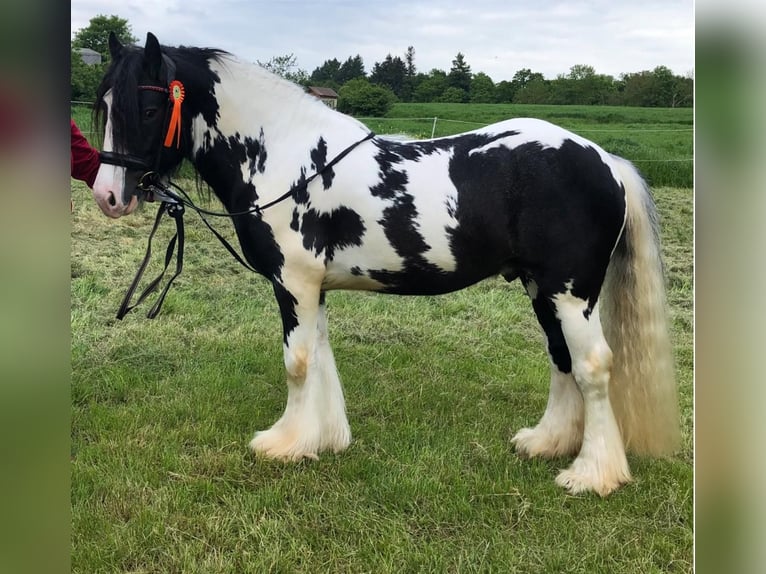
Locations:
{"points": [[85, 160]]}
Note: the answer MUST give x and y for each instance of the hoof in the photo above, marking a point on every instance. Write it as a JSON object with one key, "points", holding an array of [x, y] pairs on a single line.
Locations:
{"points": [[537, 442], [580, 478], [280, 445]]}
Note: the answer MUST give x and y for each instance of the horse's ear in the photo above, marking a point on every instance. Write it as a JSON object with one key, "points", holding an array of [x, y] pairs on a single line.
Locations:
{"points": [[152, 55], [115, 48]]}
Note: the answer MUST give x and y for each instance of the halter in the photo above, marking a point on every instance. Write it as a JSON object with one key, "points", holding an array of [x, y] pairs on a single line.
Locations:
{"points": [[173, 203]]}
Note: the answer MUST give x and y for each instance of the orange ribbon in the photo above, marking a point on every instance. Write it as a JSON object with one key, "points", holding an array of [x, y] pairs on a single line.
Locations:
{"points": [[174, 127]]}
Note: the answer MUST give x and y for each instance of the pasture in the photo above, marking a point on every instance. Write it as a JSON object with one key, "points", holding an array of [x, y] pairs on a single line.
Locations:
{"points": [[162, 412], [658, 140]]}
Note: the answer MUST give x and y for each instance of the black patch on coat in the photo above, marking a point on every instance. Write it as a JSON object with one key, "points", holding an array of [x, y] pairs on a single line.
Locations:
{"points": [[566, 214], [319, 163], [299, 189], [400, 219], [287, 303], [326, 232], [557, 346], [392, 180], [249, 150], [255, 150], [220, 167]]}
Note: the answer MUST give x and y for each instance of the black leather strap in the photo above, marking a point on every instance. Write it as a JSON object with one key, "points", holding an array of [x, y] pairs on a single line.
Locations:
{"points": [[175, 211]]}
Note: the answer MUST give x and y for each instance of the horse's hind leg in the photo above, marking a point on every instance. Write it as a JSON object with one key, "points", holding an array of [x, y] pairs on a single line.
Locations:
{"points": [[560, 430], [601, 465], [314, 419]]}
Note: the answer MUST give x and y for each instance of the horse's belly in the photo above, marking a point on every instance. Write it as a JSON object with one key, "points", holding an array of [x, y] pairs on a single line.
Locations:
{"points": [[407, 281]]}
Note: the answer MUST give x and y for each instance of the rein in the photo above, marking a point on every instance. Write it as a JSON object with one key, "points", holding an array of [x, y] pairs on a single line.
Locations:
{"points": [[174, 205]]}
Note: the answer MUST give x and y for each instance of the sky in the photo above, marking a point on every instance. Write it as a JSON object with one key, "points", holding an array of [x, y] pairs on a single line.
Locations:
{"points": [[497, 37]]}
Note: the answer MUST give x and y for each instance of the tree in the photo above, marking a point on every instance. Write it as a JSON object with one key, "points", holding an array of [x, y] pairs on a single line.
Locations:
{"points": [[536, 91], [453, 95], [523, 77], [460, 74], [84, 78], [409, 59], [391, 73], [410, 81], [504, 92], [683, 94], [482, 89], [431, 86], [581, 72], [360, 97], [638, 89], [96, 34], [327, 74], [287, 67], [351, 69]]}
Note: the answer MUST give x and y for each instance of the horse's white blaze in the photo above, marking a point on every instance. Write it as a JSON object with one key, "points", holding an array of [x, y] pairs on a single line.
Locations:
{"points": [[109, 185], [601, 464]]}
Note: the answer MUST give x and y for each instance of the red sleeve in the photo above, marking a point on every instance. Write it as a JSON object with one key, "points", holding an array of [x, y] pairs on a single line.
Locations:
{"points": [[85, 161]]}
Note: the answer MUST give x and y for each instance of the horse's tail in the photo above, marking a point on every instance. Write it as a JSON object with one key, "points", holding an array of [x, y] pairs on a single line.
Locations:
{"points": [[634, 315]]}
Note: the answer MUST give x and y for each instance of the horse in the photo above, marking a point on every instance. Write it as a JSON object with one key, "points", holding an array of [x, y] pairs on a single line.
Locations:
{"points": [[320, 203]]}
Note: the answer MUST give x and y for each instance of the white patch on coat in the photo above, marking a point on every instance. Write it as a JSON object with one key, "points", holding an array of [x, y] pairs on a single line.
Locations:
{"points": [[433, 195]]}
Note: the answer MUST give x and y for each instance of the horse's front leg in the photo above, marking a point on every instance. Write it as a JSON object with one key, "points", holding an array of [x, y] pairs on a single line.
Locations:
{"points": [[315, 418]]}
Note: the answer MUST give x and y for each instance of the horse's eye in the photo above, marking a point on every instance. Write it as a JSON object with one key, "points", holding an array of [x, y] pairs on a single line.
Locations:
{"points": [[149, 113]]}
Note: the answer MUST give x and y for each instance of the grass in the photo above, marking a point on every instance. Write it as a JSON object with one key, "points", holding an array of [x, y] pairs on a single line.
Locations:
{"points": [[436, 386]]}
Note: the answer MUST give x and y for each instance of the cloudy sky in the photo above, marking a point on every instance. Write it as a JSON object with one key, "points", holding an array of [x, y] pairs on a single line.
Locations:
{"points": [[497, 37]]}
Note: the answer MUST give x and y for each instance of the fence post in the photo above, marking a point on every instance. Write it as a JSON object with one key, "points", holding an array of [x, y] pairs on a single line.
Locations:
{"points": [[433, 129]]}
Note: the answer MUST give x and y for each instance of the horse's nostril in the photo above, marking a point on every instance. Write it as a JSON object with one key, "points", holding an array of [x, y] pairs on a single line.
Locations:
{"points": [[112, 201]]}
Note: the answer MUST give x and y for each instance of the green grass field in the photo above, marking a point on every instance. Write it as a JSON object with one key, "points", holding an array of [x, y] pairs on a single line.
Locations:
{"points": [[162, 412], [658, 140]]}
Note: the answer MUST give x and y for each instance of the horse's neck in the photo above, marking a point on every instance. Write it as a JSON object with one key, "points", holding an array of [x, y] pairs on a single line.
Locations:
{"points": [[252, 100]]}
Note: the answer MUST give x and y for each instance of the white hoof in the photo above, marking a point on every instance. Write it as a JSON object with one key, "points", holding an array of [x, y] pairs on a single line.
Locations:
{"points": [[531, 442], [584, 476], [280, 444]]}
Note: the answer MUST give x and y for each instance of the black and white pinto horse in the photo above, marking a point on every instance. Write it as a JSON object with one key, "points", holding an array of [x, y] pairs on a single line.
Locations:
{"points": [[521, 198]]}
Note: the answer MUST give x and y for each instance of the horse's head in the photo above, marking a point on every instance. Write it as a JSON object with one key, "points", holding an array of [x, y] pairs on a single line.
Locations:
{"points": [[136, 104]]}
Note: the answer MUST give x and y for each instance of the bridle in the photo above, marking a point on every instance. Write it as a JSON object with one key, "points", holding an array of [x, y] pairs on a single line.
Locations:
{"points": [[137, 163], [174, 203]]}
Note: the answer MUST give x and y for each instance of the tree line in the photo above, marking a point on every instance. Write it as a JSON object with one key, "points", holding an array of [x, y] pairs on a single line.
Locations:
{"points": [[580, 86], [396, 78]]}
